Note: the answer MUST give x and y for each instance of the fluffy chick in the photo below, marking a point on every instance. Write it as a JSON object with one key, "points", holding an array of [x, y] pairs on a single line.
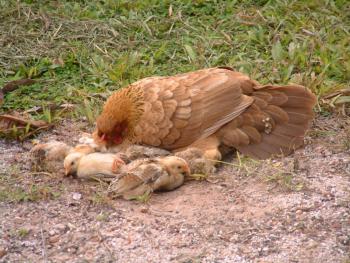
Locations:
{"points": [[83, 149], [86, 139], [142, 177], [134, 152], [52, 150], [98, 165], [49, 156], [197, 162]]}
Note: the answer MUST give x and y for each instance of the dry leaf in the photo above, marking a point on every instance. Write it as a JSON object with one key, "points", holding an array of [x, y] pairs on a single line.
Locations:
{"points": [[1, 97], [12, 85], [19, 127]]}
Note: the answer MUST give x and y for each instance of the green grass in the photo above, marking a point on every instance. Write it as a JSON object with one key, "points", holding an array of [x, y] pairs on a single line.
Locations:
{"points": [[80, 51], [17, 187]]}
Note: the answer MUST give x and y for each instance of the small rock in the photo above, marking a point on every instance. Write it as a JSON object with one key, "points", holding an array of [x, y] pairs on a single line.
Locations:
{"points": [[54, 239], [71, 226], [61, 228], [344, 240], [52, 232], [76, 196], [3, 252], [311, 244], [144, 210]]}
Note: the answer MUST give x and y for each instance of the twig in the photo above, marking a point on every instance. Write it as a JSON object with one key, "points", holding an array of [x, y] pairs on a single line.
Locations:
{"points": [[111, 254], [42, 173], [43, 252]]}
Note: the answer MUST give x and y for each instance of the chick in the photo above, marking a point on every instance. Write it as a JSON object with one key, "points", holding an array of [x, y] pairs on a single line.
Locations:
{"points": [[86, 139], [52, 150], [49, 156], [142, 177], [83, 149], [98, 165], [134, 152], [199, 165]]}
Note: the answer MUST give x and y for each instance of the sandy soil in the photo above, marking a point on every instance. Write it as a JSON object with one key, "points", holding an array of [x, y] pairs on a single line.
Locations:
{"points": [[294, 209]]}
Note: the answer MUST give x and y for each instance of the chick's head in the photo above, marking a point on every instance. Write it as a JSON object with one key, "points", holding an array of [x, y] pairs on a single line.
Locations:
{"points": [[176, 166], [71, 163]]}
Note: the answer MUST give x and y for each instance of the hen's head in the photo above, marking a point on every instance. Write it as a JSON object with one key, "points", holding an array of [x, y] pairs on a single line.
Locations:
{"points": [[121, 113]]}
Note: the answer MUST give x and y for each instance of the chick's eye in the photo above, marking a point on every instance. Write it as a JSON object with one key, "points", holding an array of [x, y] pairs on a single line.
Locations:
{"points": [[72, 163]]}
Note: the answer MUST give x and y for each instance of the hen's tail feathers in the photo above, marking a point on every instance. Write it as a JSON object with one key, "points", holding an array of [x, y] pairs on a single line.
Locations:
{"points": [[275, 124]]}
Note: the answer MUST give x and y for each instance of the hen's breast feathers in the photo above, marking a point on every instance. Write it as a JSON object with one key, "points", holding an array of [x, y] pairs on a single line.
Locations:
{"points": [[181, 109]]}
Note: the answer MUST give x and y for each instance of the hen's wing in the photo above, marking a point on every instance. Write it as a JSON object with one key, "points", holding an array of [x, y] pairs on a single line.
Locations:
{"points": [[184, 108]]}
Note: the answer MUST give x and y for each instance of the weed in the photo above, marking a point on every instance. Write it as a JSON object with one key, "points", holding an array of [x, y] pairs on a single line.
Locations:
{"points": [[109, 44], [22, 232], [285, 180], [102, 216], [16, 187]]}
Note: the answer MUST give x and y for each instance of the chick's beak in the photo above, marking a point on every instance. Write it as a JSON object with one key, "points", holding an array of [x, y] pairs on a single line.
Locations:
{"points": [[68, 172], [187, 170]]}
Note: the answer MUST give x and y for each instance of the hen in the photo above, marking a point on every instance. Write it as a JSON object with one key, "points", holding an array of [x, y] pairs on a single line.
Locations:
{"points": [[207, 109]]}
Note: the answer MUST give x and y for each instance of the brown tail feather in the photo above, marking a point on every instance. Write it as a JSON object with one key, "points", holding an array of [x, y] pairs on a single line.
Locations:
{"points": [[290, 110]]}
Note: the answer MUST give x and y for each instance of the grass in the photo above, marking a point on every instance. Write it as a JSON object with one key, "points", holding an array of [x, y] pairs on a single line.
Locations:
{"points": [[80, 51], [279, 174], [17, 187], [22, 232]]}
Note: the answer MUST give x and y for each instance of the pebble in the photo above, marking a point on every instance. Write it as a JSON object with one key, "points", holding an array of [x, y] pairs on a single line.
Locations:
{"points": [[54, 239], [61, 228], [311, 244], [76, 196], [3, 252], [144, 210], [344, 240]]}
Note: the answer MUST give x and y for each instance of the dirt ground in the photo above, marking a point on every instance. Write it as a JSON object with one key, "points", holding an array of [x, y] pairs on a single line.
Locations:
{"points": [[294, 209]]}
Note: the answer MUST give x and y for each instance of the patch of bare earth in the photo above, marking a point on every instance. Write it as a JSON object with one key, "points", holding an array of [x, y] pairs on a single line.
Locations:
{"points": [[294, 209]]}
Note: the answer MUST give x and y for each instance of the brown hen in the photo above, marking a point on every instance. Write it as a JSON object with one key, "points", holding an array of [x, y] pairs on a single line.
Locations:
{"points": [[205, 109]]}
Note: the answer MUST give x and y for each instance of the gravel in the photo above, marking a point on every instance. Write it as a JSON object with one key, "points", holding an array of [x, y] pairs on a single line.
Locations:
{"points": [[238, 215]]}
